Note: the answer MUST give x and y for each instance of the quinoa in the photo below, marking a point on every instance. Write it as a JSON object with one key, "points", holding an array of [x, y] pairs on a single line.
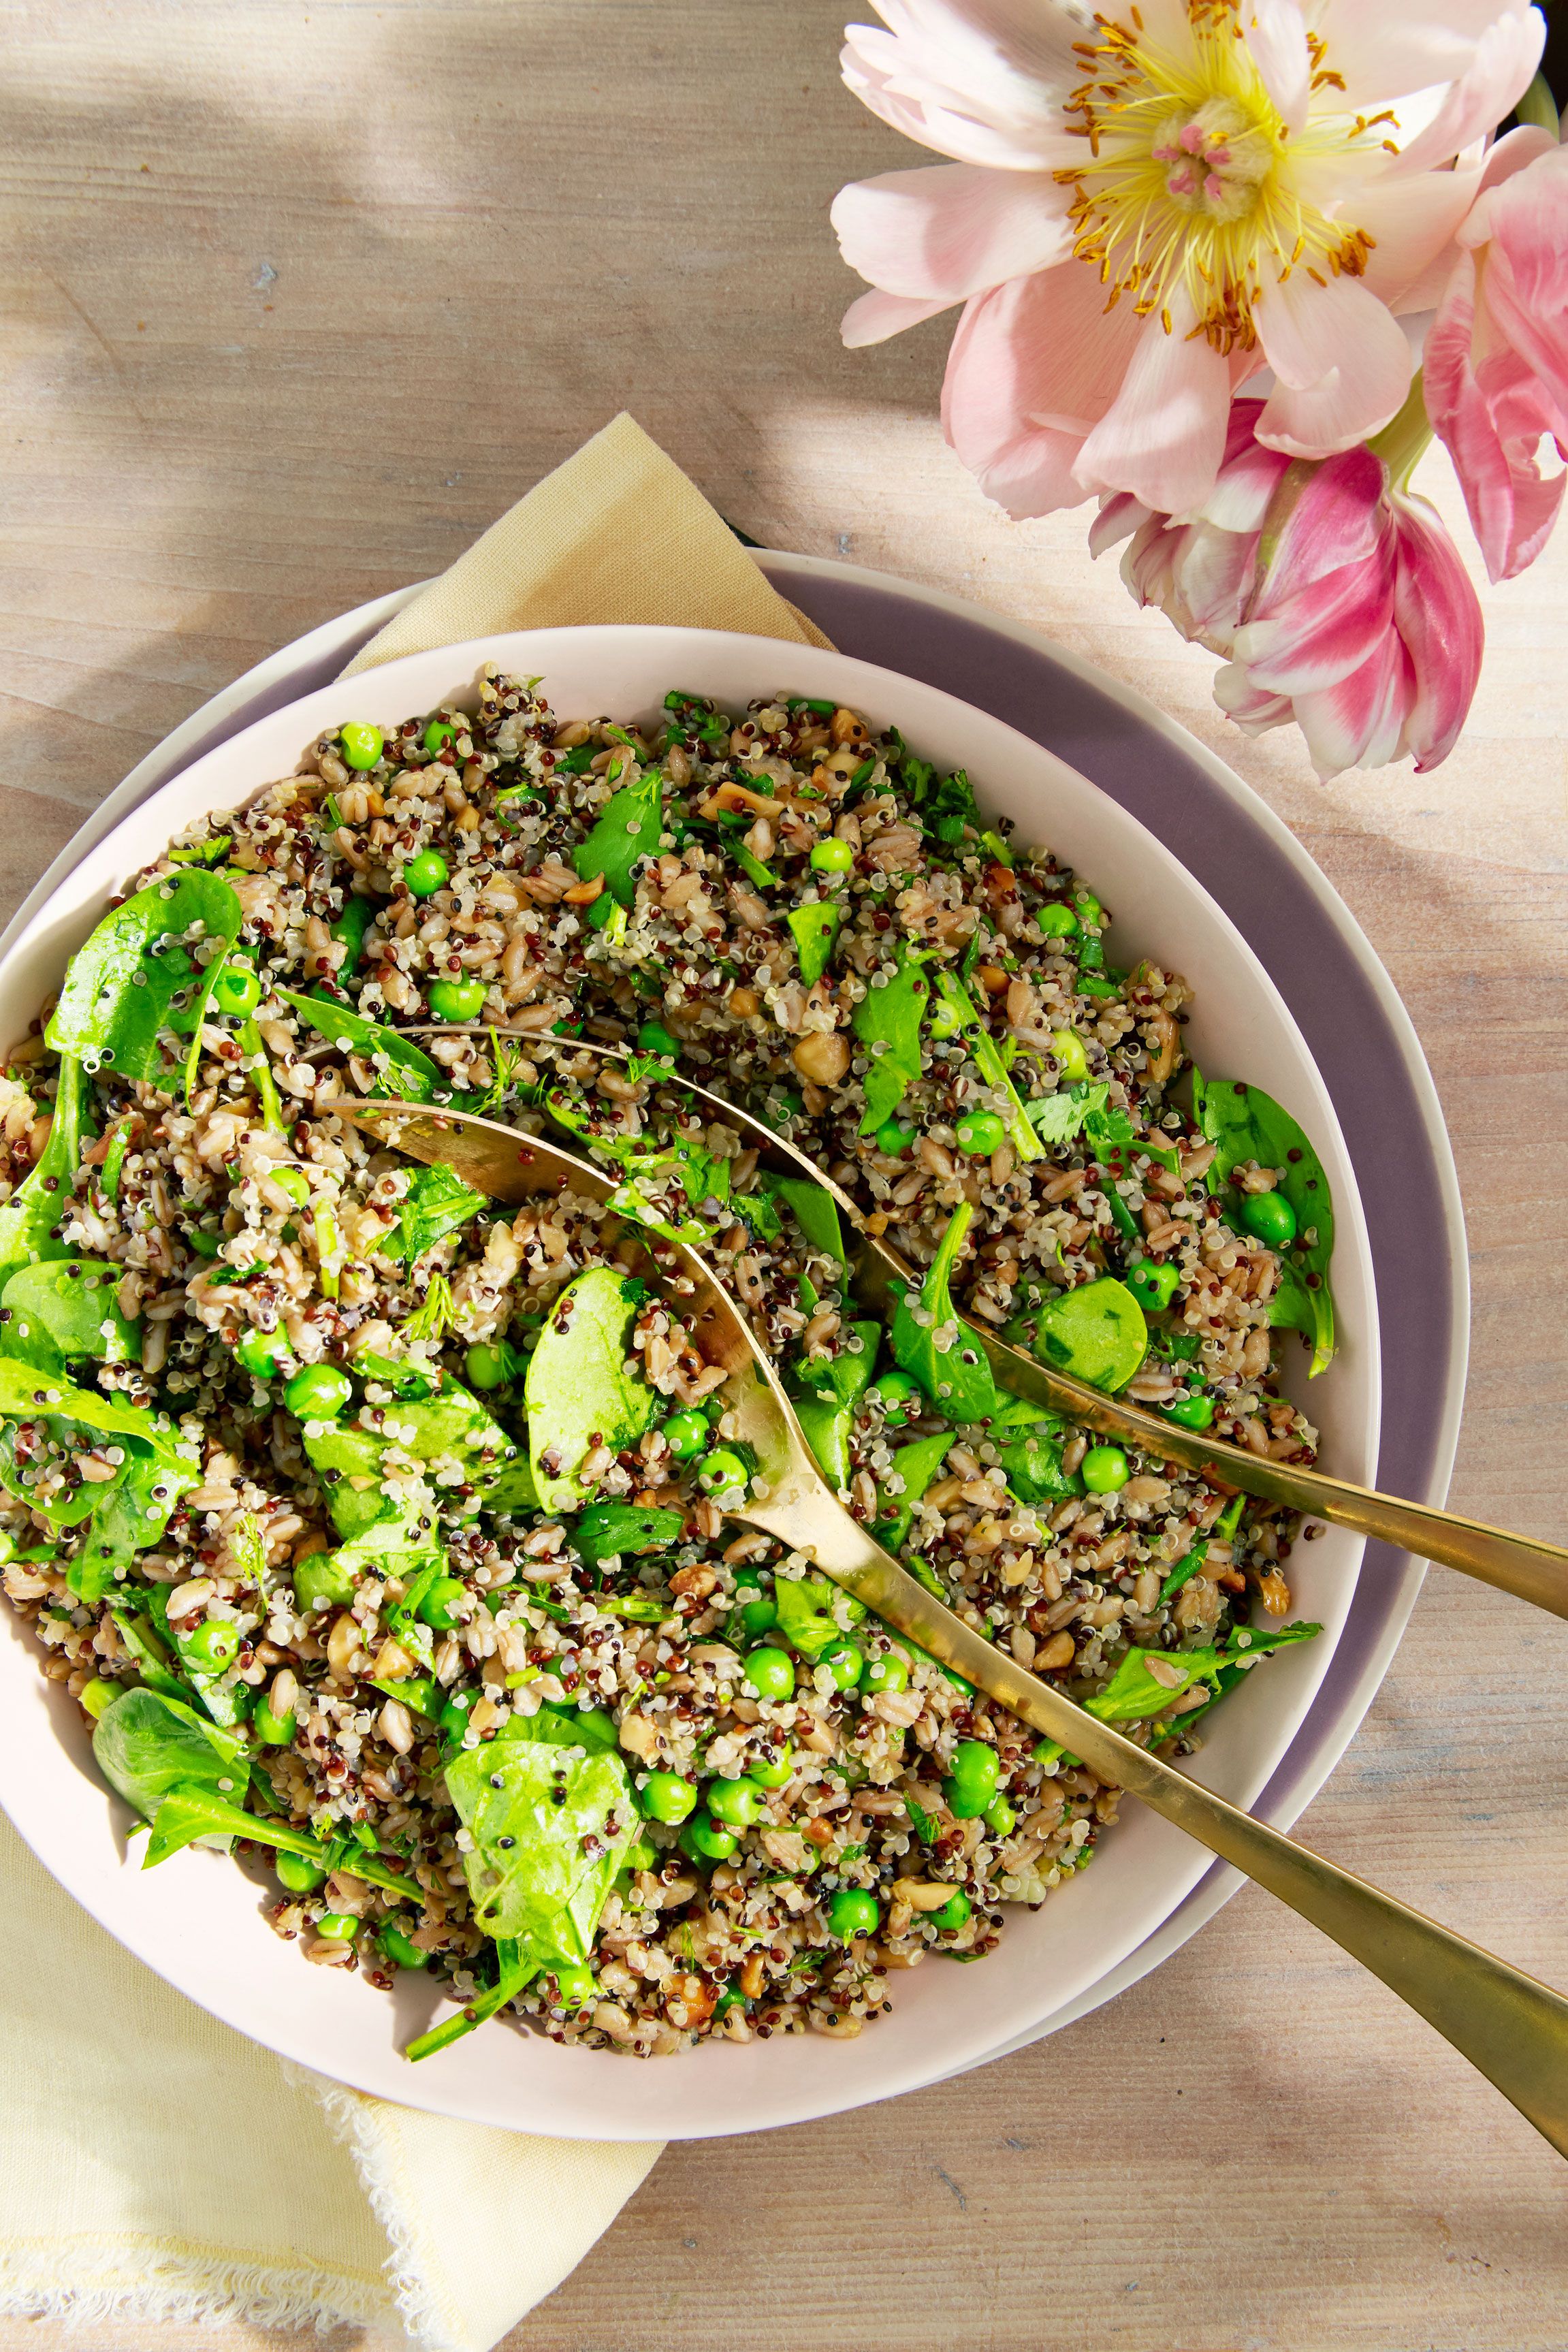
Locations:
{"points": [[214, 1251]]}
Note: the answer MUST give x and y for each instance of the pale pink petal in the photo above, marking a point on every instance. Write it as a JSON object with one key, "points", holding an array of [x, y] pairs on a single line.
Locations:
{"points": [[1011, 357], [1276, 38], [1248, 478], [1387, 48], [1335, 518], [983, 83], [1117, 517], [1501, 70], [1213, 575], [952, 229], [1164, 437], [1438, 616], [1324, 632], [1342, 362], [1148, 567], [1491, 420], [1411, 222], [1526, 278], [874, 317], [1512, 152], [1254, 711]]}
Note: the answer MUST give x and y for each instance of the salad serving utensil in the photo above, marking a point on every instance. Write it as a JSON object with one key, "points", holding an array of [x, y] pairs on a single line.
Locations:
{"points": [[1512, 2027], [1531, 1570]]}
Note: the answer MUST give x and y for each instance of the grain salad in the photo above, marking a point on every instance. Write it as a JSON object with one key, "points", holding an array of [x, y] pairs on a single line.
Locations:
{"points": [[385, 1532]]}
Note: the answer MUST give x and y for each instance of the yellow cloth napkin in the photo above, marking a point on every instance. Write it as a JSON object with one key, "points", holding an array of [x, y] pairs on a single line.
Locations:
{"points": [[153, 2163]]}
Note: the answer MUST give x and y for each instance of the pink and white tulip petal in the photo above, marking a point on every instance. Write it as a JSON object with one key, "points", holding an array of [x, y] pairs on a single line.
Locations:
{"points": [[1342, 359], [1438, 616], [952, 230]]}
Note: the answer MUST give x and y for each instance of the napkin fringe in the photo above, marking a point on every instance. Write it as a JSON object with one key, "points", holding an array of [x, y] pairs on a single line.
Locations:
{"points": [[191, 2286], [409, 2286]]}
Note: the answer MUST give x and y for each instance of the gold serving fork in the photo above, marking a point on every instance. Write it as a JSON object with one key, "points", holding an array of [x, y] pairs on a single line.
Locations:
{"points": [[1514, 2029]]}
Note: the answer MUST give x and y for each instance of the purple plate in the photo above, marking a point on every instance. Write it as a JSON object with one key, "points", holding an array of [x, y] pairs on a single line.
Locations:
{"points": [[1302, 933]]}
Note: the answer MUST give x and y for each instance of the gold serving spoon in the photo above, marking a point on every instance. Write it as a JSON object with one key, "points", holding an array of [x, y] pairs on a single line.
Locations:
{"points": [[1512, 2028], [1531, 1570]]}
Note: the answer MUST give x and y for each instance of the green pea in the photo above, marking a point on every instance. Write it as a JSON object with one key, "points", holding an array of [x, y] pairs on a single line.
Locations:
{"points": [[1190, 1412], [893, 1137], [1071, 1058], [1089, 910], [438, 734], [852, 1913], [758, 1616], [487, 1366], [257, 1352], [400, 1951], [294, 1183], [299, 1875], [274, 1730], [770, 1673], [1270, 1217], [845, 1661], [362, 744], [425, 874], [237, 989], [211, 1646], [1058, 921], [443, 1603], [319, 1581], [735, 1803], [686, 1434], [979, 1133], [318, 1392], [668, 1798], [972, 1783], [773, 1773], [897, 1389], [456, 1712], [1153, 1285], [1000, 1817], [887, 1674], [1105, 1469], [832, 856], [337, 1927], [722, 1470], [707, 1841], [457, 1000], [953, 1914], [98, 1695], [655, 1038]]}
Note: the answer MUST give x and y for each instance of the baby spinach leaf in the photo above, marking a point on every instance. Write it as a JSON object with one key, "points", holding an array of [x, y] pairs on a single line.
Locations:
{"points": [[451, 1427], [1058, 1118], [1134, 1693], [928, 1340], [579, 1392], [890, 1017], [120, 986], [628, 828], [816, 1212], [189, 1814], [137, 1503], [810, 1611], [402, 1068], [129, 1516], [653, 1170], [828, 1394], [917, 1465], [616, 1530], [1034, 1471], [149, 1743], [152, 1658], [28, 1218], [60, 1309], [516, 1968], [1245, 1124], [965, 1014], [202, 853], [437, 1202], [567, 1727], [551, 1826], [1096, 1333], [514, 1489], [815, 929]]}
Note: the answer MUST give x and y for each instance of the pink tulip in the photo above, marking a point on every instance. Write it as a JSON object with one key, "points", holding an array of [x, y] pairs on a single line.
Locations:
{"points": [[1338, 597], [1496, 361]]}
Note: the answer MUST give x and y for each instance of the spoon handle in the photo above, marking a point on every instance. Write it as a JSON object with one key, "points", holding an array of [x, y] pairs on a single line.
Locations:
{"points": [[1509, 2026]]}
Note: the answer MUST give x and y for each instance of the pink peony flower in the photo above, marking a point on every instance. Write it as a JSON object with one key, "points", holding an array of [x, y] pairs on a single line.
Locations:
{"points": [[1496, 362], [1338, 597], [1149, 203]]}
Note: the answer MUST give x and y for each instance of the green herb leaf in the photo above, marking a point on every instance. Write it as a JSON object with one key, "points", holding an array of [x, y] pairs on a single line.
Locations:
{"points": [[437, 1202], [1096, 1333], [1134, 1693], [1245, 1124], [815, 929], [402, 1068], [60, 1309], [620, 1530], [120, 985], [812, 1613], [579, 1392], [1058, 1118], [544, 1855], [628, 828], [891, 1017], [955, 1376], [39, 1203], [953, 808]]}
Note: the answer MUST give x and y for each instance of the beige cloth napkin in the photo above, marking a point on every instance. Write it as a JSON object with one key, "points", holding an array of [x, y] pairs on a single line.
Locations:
{"points": [[153, 2163]]}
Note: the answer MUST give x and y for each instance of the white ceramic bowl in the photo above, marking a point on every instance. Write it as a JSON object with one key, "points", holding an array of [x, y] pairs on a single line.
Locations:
{"points": [[198, 1921]]}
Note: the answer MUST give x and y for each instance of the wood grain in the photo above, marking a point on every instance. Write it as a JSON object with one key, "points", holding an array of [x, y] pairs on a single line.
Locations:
{"points": [[299, 299]]}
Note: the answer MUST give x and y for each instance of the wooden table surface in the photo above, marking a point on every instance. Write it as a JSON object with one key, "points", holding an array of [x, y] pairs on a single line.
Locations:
{"points": [[299, 298]]}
